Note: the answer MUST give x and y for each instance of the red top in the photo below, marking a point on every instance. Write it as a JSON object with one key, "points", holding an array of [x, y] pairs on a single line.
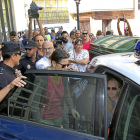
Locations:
{"points": [[86, 47], [52, 105]]}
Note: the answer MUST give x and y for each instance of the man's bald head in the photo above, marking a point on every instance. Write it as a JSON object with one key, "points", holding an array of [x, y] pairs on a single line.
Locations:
{"points": [[48, 48]]}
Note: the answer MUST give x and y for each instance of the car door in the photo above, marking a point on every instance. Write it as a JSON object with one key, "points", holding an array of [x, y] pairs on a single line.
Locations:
{"points": [[127, 124], [45, 109]]}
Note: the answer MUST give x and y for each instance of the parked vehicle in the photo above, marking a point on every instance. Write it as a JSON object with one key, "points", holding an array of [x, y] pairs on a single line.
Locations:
{"points": [[126, 118], [112, 44], [87, 93]]}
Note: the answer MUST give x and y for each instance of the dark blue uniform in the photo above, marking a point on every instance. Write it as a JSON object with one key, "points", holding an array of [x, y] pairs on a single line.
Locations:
{"points": [[27, 64], [7, 75]]}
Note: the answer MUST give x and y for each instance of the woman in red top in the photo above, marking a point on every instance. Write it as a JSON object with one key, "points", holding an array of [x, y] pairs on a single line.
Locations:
{"points": [[57, 90]]}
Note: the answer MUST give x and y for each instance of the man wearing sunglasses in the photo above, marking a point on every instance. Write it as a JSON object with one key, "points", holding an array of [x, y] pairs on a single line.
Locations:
{"points": [[29, 60], [86, 41], [11, 55], [8, 79], [113, 91]]}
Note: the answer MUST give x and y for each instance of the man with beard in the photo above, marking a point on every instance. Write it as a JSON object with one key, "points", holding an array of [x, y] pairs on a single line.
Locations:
{"points": [[45, 62], [68, 46], [30, 59]]}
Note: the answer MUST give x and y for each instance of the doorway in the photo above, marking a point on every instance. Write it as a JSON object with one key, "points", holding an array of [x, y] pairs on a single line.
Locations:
{"points": [[85, 25], [106, 25]]}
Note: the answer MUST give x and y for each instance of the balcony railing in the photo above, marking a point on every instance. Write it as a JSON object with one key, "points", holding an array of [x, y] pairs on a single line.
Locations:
{"points": [[50, 17]]}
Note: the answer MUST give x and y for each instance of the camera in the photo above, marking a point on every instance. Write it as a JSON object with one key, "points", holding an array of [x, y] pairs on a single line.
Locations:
{"points": [[33, 11], [58, 40]]}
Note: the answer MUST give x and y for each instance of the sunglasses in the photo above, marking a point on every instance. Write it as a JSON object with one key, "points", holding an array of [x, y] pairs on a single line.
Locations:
{"points": [[73, 42], [64, 65], [19, 53], [113, 88], [84, 33], [28, 49]]}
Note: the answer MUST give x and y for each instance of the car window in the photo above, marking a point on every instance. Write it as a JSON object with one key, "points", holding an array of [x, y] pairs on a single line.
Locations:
{"points": [[115, 84], [129, 121], [76, 103]]}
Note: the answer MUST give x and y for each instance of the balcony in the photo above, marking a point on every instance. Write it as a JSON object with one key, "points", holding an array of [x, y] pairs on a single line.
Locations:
{"points": [[51, 17]]}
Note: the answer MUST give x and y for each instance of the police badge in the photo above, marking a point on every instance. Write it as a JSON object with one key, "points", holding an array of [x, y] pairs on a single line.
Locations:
{"points": [[28, 66]]}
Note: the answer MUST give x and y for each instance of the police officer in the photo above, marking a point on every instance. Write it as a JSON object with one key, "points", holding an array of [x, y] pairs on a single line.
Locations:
{"points": [[11, 55], [29, 60]]}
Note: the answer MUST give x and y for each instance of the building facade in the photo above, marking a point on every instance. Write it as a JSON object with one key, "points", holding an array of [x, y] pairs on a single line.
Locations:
{"points": [[103, 15], [94, 15], [6, 20]]}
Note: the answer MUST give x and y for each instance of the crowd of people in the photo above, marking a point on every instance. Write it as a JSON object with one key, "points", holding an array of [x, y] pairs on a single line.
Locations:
{"points": [[54, 51], [36, 53]]}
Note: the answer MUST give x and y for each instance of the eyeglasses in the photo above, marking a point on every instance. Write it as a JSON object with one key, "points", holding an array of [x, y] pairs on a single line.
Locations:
{"points": [[113, 88], [47, 49], [84, 33], [64, 65]]}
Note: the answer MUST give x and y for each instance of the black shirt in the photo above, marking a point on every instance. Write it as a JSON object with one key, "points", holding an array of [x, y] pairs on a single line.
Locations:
{"points": [[7, 75]]}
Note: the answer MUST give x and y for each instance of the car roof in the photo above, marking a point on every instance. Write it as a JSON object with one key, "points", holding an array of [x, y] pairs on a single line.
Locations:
{"points": [[123, 63]]}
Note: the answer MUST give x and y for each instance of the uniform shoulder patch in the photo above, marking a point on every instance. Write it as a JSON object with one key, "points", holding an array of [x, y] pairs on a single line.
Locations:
{"points": [[1, 70]]}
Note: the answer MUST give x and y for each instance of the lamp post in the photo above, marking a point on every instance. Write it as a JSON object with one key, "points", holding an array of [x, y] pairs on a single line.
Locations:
{"points": [[77, 7]]}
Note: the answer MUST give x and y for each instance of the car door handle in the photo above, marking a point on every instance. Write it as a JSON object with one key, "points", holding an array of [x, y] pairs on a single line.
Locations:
{"points": [[5, 136]]}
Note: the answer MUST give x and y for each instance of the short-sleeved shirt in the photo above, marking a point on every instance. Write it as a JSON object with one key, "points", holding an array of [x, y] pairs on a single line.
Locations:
{"points": [[84, 54], [68, 47], [43, 63], [7, 75]]}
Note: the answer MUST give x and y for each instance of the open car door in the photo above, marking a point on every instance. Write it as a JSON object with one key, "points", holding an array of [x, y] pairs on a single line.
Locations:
{"points": [[61, 105]]}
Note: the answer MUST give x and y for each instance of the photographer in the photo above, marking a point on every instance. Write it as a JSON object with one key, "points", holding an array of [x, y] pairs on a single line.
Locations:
{"points": [[68, 46], [33, 13]]}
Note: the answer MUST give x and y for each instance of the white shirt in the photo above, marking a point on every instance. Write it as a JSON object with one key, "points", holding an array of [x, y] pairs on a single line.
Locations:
{"points": [[43, 63], [82, 55], [1, 59]]}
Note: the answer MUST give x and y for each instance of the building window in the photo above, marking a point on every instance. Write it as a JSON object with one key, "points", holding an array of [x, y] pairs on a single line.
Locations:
{"points": [[138, 4], [54, 11]]}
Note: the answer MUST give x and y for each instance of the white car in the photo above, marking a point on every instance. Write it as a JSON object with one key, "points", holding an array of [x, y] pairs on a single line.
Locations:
{"points": [[123, 63], [125, 123]]}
